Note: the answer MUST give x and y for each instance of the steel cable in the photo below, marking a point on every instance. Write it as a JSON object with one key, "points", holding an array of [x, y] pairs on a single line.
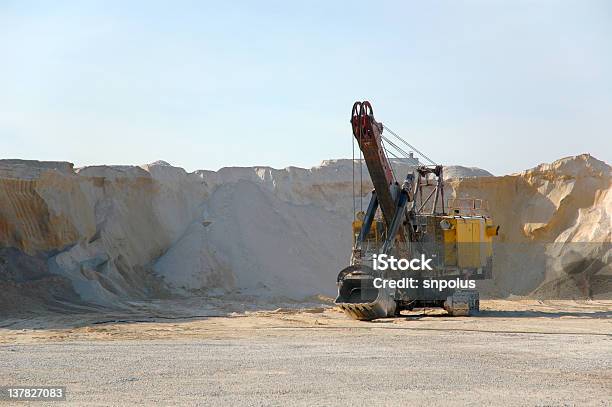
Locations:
{"points": [[409, 145]]}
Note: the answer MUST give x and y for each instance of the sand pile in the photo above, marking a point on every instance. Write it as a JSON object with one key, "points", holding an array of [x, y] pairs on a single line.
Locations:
{"points": [[99, 227], [556, 228], [120, 232], [458, 171]]}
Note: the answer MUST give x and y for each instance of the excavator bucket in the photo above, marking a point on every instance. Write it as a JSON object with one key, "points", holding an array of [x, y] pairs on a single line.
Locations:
{"points": [[358, 297]]}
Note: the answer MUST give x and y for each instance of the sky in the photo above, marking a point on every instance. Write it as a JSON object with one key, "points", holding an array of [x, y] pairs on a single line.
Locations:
{"points": [[501, 85]]}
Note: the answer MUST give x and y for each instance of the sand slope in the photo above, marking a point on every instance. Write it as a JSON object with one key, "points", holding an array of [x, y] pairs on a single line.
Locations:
{"points": [[556, 231]]}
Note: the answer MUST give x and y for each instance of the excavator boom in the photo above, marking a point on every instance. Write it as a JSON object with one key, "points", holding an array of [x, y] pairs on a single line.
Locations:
{"points": [[367, 132]]}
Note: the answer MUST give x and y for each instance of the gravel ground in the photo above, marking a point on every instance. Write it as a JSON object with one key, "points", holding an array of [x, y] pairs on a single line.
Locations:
{"points": [[310, 365]]}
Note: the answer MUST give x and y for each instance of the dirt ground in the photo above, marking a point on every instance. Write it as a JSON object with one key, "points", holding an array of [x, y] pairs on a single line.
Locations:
{"points": [[212, 352]]}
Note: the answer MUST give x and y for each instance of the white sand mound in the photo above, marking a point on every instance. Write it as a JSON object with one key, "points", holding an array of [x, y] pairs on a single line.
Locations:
{"points": [[258, 241], [120, 232], [457, 171]]}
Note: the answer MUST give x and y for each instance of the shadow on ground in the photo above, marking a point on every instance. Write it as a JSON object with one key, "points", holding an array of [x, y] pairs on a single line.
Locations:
{"points": [[518, 314]]}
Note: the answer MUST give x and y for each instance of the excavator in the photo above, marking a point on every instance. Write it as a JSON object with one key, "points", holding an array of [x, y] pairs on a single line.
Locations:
{"points": [[409, 219]]}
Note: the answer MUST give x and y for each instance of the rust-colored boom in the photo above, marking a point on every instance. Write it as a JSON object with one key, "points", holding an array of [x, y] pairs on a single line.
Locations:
{"points": [[368, 132]]}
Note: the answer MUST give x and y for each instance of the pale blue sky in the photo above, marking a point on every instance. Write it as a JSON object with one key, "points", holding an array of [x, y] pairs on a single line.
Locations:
{"points": [[499, 85]]}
